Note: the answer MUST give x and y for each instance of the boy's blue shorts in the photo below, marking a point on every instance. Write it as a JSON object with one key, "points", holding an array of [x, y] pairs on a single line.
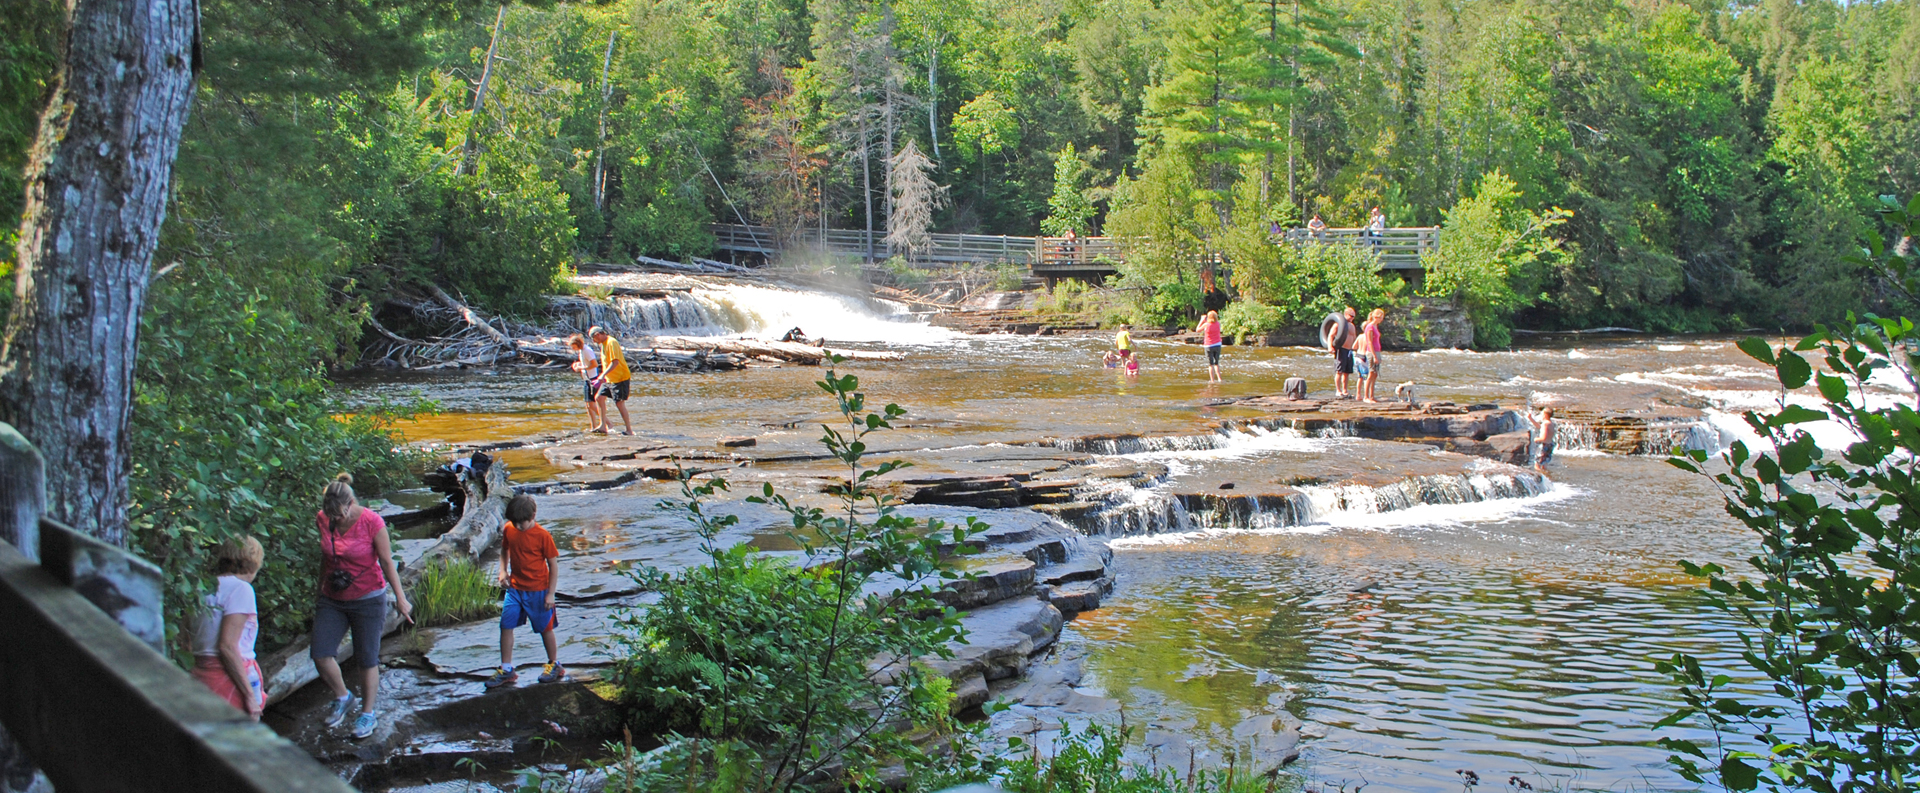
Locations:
{"points": [[523, 607]]}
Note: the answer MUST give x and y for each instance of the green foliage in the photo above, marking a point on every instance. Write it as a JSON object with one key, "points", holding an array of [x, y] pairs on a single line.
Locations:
{"points": [[1069, 297], [1068, 209], [1306, 281], [234, 433], [1827, 606], [772, 672], [1008, 276], [1171, 304], [453, 590], [28, 58], [1492, 257], [1090, 761], [1243, 318]]}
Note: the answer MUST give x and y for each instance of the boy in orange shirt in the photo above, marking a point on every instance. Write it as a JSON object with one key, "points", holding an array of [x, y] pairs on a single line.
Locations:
{"points": [[530, 571]]}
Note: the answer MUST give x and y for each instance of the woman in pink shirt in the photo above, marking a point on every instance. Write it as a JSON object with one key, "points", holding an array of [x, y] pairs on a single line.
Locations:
{"points": [[1209, 330], [1369, 349], [357, 576]]}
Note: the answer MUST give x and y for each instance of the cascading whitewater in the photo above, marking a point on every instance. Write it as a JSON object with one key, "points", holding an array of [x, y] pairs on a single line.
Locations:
{"points": [[1145, 505], [1134, 444], [740, 309], [1425, 491], [1129, 511], [1644, 439]]}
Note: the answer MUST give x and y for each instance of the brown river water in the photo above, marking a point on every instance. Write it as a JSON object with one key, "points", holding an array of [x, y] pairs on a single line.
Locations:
{"points": [[1510, 637]]}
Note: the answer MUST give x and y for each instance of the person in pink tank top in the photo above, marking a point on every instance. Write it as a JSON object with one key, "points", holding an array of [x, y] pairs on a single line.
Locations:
{"points": [[1209, 331], [356, 571], [1369, 349]]}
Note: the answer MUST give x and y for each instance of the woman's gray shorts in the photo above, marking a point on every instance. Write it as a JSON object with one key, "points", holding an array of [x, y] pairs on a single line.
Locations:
{"points": [[367, 617]]}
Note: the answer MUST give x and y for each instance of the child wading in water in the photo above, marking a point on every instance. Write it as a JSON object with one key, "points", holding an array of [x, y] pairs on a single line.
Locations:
{"points": [[1543, 431], [588, 365], [530, 570]]}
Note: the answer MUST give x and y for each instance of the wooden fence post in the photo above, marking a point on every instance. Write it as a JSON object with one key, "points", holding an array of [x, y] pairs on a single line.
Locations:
{"points": [[23, 491], [23, 496]]}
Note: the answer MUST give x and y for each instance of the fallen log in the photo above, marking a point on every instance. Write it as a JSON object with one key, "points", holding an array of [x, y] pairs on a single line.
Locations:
{"points": [[792, 352], [472, 317], [289, 668]]}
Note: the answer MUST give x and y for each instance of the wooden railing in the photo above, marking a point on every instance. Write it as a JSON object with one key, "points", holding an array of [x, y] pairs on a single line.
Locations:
{"points": [[84, 689], [1398, 248], [945, 248]]}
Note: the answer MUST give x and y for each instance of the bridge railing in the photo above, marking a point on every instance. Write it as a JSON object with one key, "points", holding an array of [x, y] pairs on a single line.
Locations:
{"points": [[1399, 248], [84, 689], [945, 248]]}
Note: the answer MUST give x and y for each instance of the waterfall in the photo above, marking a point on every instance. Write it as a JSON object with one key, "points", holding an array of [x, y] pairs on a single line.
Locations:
{"points": [[1149, 505], [1623, 436], [1125, 511], [729, 309], [1114, 445], [1424, 491]]}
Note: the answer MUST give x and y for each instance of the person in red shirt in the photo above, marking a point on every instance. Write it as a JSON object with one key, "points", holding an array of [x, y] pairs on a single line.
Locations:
{"points": [[530, 572]]}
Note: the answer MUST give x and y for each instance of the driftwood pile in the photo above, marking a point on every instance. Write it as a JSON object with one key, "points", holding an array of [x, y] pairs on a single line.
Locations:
{"points": [[478, 340]]}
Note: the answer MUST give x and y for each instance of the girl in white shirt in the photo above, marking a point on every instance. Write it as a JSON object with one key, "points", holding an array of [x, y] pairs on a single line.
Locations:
{"points": [[223, 638]]}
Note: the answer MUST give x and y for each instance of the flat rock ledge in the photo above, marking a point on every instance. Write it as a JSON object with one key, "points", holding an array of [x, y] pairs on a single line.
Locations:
{"points": [[1033, 574]]}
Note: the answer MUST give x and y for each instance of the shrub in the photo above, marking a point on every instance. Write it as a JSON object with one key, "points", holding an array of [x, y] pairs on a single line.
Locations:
{"points": [[904, 274], [1172, 304], [1090, 761], [1828, 607], [1493, 256], [234, 435], [1243, 318], [773, 675], [1008, 276]]}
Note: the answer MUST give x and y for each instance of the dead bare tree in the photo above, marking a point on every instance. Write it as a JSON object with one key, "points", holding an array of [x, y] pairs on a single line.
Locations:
{"points": [[915, 197]]}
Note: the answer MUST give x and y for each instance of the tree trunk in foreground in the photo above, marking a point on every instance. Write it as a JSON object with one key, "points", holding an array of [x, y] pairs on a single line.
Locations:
{"points": [[97, 184]]}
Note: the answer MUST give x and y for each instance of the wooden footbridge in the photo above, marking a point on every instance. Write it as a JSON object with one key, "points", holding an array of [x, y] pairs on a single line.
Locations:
{"points": [[1053, 258]]}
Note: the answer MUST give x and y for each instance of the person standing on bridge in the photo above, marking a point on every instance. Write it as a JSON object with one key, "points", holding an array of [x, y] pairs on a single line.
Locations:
{"points": [[1376, 227], [1209, 330], [1316, 228]]}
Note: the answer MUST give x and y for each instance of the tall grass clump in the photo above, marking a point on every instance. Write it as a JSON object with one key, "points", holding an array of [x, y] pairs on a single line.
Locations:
{"points": [[453, 590]]}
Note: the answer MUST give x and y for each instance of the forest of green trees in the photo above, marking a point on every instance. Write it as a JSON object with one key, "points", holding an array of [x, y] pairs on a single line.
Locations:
{"points": [[1662, 165], [1713, 165]]}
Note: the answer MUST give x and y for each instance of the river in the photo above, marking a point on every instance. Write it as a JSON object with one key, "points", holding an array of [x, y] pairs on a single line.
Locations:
{"points": [[1514, 636]]}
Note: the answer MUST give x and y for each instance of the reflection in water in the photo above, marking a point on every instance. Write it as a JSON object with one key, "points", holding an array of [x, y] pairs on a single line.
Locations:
{"points": [[1511, 636], [1522, 644]]}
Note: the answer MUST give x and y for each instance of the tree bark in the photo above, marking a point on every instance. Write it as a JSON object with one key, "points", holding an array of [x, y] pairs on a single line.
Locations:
{"points": [[97, 183], [606, 95], [480, 97]]}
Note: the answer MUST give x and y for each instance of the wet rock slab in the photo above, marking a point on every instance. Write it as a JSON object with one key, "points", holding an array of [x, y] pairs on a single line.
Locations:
{"points": [[473, 649]]}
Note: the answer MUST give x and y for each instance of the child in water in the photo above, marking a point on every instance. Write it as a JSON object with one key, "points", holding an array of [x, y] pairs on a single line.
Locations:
{"points": [[1133, 364], [1113, 359]]}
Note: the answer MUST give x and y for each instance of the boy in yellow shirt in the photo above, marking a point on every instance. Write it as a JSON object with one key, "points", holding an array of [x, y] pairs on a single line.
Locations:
{"points": [[619, 379]]}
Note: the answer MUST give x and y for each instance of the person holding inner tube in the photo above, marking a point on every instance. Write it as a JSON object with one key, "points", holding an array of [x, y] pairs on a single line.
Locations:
{"points": [[1337, 333]]}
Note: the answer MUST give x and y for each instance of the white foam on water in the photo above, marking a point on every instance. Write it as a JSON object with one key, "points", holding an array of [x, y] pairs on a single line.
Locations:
{"points": [[1578, 355], [1427, 516], [1671, 348], [1237, 445], [764, 311]]}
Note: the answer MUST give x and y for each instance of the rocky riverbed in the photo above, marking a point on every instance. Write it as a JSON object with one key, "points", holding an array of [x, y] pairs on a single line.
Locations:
{"points": [[1052, 502]]}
